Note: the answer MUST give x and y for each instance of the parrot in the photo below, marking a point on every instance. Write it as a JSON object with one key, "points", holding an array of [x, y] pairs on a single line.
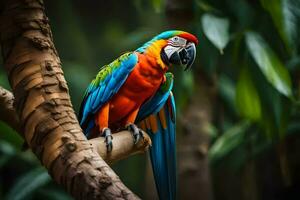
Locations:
{"points": [[134, 93]]}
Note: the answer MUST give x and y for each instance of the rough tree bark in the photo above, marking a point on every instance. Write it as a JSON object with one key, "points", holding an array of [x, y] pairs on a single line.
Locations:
{"points": [[7, 110], [123, 142], [44, 112]]}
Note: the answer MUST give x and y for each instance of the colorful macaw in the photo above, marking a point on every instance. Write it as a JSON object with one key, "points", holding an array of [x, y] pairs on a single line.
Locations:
{"points": [[136, 89]]}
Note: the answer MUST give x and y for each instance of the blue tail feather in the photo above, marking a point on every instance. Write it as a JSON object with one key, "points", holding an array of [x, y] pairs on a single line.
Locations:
{"points": [[163, 158]]}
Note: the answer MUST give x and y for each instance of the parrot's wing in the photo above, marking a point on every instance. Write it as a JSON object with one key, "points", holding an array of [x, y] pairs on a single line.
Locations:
{"points": [[157, 117], [107, 83]]}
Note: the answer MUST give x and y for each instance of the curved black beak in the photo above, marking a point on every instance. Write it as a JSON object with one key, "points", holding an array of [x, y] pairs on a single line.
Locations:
{"points": [[183, 56], [191, 49]]}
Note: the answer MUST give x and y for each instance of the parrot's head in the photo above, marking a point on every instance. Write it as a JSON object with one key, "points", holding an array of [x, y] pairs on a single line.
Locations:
{"points": [[173, 48]]}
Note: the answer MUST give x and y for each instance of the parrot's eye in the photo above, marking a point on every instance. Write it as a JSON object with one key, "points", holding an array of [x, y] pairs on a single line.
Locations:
{"points": [[177, 41]]}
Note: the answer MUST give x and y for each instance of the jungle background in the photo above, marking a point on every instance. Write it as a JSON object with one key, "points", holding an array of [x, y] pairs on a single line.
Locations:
{"points": [[238, 108]]}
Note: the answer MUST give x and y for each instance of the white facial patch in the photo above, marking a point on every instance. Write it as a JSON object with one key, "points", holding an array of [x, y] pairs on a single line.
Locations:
{"points": [[174, 44], [169, 50], [177, 41]]}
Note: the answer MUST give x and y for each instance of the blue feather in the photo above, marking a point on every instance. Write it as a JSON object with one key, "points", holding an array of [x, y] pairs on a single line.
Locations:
{"points": [[163, 149], [103, 88], [155, 104], [89, 127]]}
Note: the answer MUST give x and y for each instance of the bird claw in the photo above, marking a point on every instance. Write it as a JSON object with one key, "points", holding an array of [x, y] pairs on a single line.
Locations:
{"points": [[108, 139], [136, 132]]}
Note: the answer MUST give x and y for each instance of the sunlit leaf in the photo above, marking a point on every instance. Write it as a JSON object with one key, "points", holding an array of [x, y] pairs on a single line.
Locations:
{"points": [[273, 105], [28, 183], [284, 18], [211, 130], [6, 148], [247, 99], [232, 138], [269, 63], [216, 30]]}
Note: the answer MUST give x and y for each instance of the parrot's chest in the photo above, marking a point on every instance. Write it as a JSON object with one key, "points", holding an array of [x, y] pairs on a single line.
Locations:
{"points": [[144, 80], [141, 84]]}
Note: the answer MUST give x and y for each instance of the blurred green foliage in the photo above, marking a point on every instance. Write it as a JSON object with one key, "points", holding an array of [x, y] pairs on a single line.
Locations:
{"points": [[248, 48], [264, 41]]}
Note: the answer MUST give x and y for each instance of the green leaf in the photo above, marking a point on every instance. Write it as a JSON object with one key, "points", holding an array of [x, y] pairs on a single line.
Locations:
{"points": [[247, 98], [269, 64], [6, 148], [227, 142], [10, 135], [227, 91], [3, 79], [216, 30], [284, 17], [6, 152], [28, 183]]}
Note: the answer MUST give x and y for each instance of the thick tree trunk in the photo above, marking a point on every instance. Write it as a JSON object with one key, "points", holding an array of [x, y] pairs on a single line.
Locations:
{"points": [[42, 102]]}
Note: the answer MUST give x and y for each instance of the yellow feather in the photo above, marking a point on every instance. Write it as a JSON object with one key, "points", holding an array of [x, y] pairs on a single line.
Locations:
{"points": [[153, 123], [162, 117], [154, 51], [147, 123], [143, 125]]}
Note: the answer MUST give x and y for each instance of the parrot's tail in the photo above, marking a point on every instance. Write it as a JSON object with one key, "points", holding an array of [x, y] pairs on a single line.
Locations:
{"points": [[163, 157]]}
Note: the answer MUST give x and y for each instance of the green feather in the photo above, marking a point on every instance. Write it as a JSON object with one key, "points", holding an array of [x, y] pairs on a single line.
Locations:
{"points": [[167, 84], [107, 70]]}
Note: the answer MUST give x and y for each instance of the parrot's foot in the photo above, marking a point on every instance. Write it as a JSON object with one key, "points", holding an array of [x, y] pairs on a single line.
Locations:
{"points": [[108, 139], [136, 132]]}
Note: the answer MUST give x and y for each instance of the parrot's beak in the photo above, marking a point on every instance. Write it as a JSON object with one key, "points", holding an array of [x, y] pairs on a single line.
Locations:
{"points": [[184, 56]]}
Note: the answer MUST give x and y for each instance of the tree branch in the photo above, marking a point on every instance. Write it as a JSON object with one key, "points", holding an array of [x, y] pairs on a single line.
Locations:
{"points": [[123, 141], [9, 115], [46, 117], [123, 146]]}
